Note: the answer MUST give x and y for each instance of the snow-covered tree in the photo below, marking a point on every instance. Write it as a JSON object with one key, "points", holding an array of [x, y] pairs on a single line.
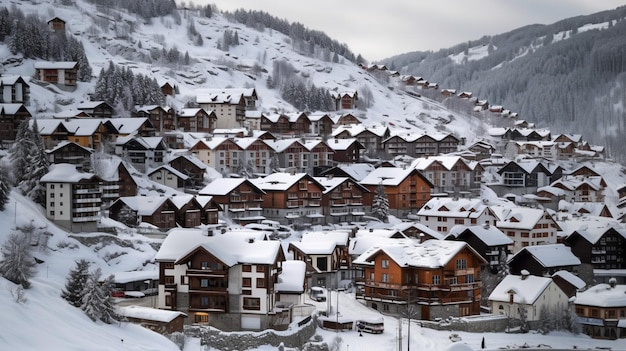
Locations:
{"points": [[107, 310], [37, 165], [547, 320], [523, 318], [19, 151], [76, 282], [503, 267], [380, 204], [18, 263], [96, 299], [4, 187]]}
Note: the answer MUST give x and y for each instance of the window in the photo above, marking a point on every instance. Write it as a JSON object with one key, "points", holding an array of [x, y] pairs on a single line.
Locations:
{"points": [[204, 283], [204, 301], [385, 278], [469, 278], [251, 303], [436, 279], [246, 282], [322, 263], [453, 281], [461, 263], [260, 268], [246, 268], [260, 282], [384, 263]]}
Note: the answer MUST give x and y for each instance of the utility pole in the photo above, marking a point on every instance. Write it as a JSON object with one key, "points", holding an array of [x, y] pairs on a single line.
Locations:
{"points": [[400, 334]]}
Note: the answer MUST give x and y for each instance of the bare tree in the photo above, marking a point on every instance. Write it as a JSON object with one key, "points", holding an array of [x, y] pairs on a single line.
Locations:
{"points": [[18, 263]]}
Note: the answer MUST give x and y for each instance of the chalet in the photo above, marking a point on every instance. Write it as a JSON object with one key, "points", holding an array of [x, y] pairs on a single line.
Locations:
{"points": [[600, 250], [61, 74], [465, 95], [587, 209], [526, 226], [524, 176], [601, 310], [255, 155], [14, 90], [168, 176], [163, 118], [527, 134], [343, 199], [225, 281], [11, 115], [126, 126], [543, 260], [70, 114], [443, 213], [490, 242], [538, 149], [240, 198], [210, 209], [168, 88], [249, 95], [326, 255], [56, 24], [159, 321], [356, 171], [291, 196], [448, 92], [229, 107], [286, 124], [300, 155], [96, 109], [143, 153], [221, 153], [86, 132], [52, 131], [416, 231], [196, 120], [321, 124], [188, 211], [450, 174], [158, 211], [581, 188], [73, 198], [345, 119], [527, 295], [117, 180], [346, 100], [346, 150], [441, 278], [406, 188], [190, 166], [371, 137], [70, 152]]}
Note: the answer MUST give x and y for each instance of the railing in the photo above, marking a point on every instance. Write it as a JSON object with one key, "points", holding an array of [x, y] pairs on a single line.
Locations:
{"points": [[87, 191], [88, 200]]}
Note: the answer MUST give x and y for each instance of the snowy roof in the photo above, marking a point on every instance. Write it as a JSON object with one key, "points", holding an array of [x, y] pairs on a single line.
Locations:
{"points": [[127, 125], [181, 200], [603, 295], [330, 183], [315, 247], [551, 255], [446, 161], [341, 144], [88, 105], [65, 143], [55, 65], [229, 248], [193, 160], [431, 253], [526, 289], [9, 80], [391, 176], [453, 207], [12, 108], [338, 237], [291, 279], [151, 314], [169, 169], [218, 98], [82, 126], [357, 171], [134, 276], [223, 186], [189, 112], [570, 278], [356, 129], [65, 173], [144, 205], [517, 217], [279, 181], [490, 235]]}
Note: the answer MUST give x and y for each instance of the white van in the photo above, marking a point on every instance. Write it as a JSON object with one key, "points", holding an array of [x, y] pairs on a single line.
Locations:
{"points": [[317, 294]]}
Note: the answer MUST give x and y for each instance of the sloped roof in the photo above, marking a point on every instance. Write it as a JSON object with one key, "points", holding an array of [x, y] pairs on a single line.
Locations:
{"points": [[602, 295], [490, 235], [65, 173], [223, 186], [431, 253], [144, 205], [550, 255], [291, 279], [453, 207], [525, 290]]}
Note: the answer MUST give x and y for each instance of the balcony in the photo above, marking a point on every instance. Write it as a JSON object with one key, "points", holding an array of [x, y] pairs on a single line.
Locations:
{"points": [[209, 273], [87, 191], [85, 219], [86, 209], [88, 200]]}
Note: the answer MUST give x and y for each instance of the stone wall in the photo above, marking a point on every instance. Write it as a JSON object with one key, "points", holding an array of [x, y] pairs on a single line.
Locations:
{"points": [[246, 340], [472, 324]]}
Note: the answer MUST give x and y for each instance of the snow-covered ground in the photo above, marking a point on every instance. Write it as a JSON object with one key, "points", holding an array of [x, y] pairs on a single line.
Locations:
{"points": [[47, 322]]}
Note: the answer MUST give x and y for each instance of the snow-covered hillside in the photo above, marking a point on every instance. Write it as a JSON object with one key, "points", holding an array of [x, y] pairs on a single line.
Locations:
{"points": [[211, 67]]}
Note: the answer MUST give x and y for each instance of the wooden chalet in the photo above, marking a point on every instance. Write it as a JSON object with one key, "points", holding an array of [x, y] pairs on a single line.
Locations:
{"points": [[158, 211]]}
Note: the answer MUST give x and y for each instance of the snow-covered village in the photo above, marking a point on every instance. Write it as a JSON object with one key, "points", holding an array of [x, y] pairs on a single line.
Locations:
{"points": [[185, 178]]}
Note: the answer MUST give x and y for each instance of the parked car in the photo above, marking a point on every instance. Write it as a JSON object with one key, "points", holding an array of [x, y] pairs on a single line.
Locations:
{"points": [[374, 326], [317, 294]]}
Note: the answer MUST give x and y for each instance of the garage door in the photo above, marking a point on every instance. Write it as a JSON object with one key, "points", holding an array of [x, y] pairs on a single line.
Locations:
{"points": [[251, 322]]}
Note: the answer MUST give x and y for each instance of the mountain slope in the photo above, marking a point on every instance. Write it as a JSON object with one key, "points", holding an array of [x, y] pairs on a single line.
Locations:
{"points": [[568, 76]]}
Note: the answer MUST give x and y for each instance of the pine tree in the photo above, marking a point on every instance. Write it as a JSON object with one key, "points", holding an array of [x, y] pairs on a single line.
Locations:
{"points": [[380, 204], [503, 267], [523, 317], [37, 165], [4, 187], [19, 152], [107, 309], [76, 282], [18, 263], [92, 298]]}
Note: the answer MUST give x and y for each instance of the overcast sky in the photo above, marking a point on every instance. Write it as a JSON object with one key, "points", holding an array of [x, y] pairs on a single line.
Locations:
{"points": [[380, 29]]}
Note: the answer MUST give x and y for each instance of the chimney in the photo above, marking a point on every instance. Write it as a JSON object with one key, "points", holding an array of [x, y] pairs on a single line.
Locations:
{"points": [[524, 274], [422, 237]]}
